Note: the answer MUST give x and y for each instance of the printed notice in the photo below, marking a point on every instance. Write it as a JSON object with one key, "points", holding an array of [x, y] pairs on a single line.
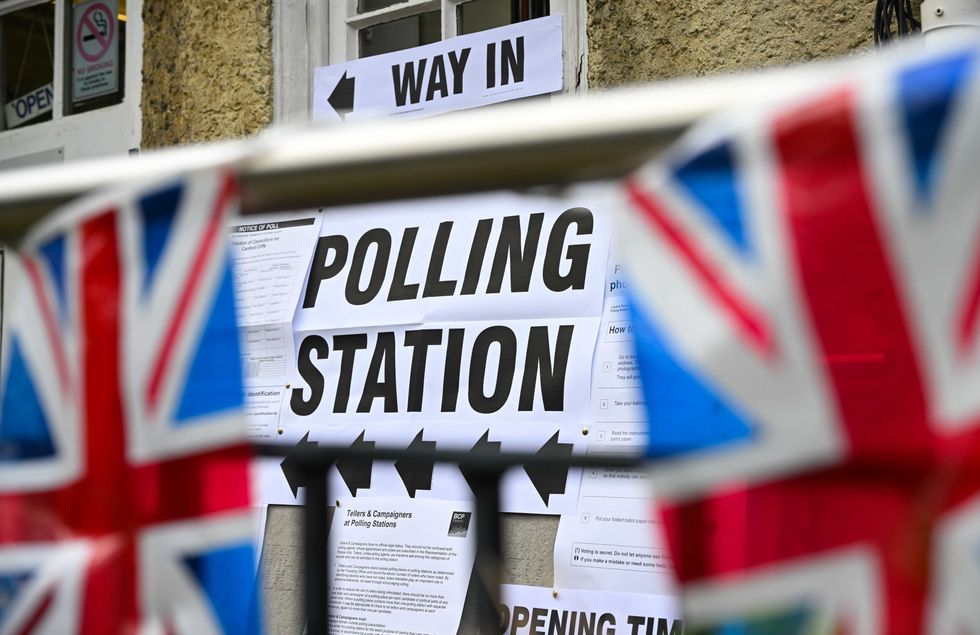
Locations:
{"points": [[528, 610], [526, 489], [617, 400], [399, 566], [618, 409], [270, 255], [614, 545], [612, 541], [263, 405]]}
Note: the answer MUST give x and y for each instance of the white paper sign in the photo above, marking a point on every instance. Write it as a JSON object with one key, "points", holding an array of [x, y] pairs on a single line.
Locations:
{"points": [[614, 544], [449, 323], [399, 566], [541, 491], [618, 405], [270, 256], [475, 372], [29, 106], [490, 306], [510, 62], [492, 256], [95, 49], [528, 610]]}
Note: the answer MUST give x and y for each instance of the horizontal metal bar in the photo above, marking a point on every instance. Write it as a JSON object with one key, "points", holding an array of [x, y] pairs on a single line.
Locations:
{"points": [[310, 457], [549, 141]]}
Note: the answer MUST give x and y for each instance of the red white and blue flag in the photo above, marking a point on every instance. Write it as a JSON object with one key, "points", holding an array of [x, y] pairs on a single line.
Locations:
{"points": [[806, 295], [124, 503]]}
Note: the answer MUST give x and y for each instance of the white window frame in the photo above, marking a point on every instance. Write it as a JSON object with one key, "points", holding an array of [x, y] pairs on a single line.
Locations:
{"points": [[115, 129], [307, 34]]}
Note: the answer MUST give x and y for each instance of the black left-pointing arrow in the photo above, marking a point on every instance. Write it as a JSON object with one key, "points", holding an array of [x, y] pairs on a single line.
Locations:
{"points": [[356, 472], [416, 474], [342, 97], [550, 480], [294, 475]]}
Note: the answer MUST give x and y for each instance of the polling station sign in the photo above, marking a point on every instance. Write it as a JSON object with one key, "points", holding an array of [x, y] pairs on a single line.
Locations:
{"points": [[511, 62], [95, 49], [468, 308], [451, 323], [29, 106]]}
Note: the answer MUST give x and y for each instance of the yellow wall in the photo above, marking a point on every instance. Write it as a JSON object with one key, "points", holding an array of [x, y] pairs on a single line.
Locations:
{"points": [[207, 70], [643, 40], [207, 66]]}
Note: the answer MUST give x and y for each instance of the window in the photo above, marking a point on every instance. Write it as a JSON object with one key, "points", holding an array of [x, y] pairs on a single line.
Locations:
{"points": [[27, 55], [312, 33], [64, 66], [378, 32]]}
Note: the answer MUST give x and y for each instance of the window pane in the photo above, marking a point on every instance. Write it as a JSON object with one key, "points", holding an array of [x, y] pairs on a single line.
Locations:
{"points": [[480, 15], [415, 30], [363, 6], [96, 80], [27, 65]]}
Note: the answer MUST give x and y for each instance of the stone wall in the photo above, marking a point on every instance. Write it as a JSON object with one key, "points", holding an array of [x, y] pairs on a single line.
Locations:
{"points": [[634, 41], [207, 70], [207, 66]]}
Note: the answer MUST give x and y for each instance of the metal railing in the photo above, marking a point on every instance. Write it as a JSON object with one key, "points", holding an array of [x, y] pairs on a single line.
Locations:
{"points": [[483, 471]]}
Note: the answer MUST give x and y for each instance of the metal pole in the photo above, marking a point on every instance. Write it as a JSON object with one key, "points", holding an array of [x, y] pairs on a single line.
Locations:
{"points": [[316, 576], [487, 564]]}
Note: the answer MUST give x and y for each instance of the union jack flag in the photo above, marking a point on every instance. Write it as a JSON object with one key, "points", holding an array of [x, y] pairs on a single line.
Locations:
{"points": [[124, 503], [805, 281]]}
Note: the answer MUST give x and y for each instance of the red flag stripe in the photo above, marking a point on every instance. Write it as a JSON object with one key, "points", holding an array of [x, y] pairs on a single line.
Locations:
{"points": [[844, 272], [110, 597]]}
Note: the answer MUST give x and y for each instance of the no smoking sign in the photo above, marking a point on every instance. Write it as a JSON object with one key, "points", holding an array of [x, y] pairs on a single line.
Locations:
{"points": [[95, 49]]}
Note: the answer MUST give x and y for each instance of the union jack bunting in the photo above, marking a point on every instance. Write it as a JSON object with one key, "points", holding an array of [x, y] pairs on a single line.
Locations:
{"points": [[806, 296], [124, 503]]}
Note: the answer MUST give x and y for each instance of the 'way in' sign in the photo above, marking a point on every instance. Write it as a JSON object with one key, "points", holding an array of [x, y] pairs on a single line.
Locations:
{"points": [[408, 79], [512, 62]]}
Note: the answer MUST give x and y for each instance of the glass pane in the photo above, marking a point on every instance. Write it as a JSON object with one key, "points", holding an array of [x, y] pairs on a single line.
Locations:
{"points": [[363, 6], [27, 65], [537, 8], [96, 77], [415, 30], [480, 15]]}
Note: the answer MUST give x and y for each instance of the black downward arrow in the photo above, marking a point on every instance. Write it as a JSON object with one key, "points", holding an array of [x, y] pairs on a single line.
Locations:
{"points": [[356, 472], [486, 446], [416, 474], [342, 97], [550, 480], [294, 476]]}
